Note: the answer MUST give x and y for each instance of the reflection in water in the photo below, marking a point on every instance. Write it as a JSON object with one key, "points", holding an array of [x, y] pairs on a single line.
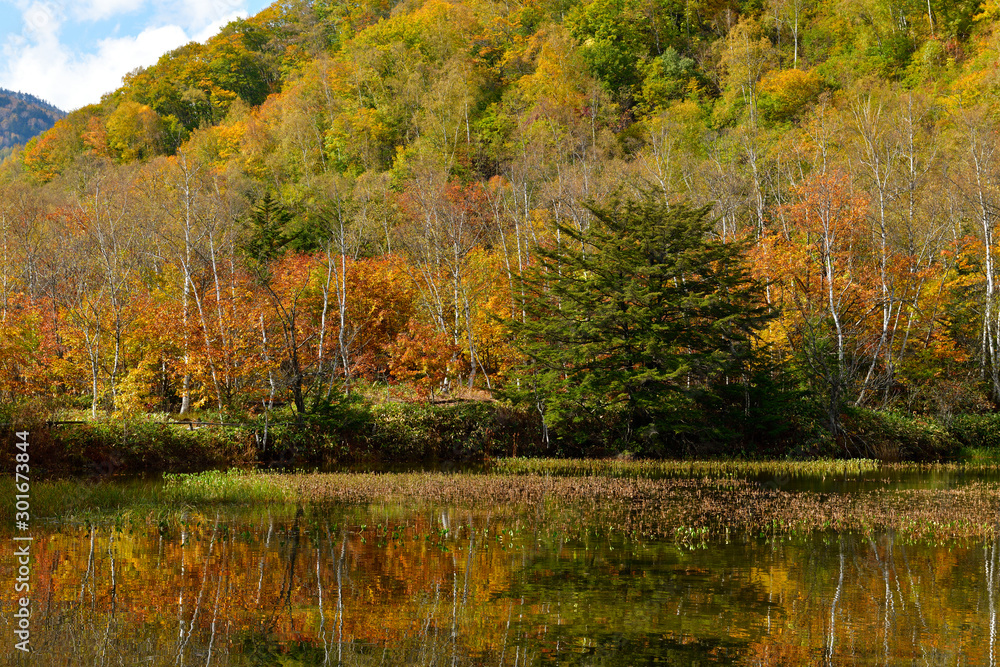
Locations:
{"points": [[385, 585]]}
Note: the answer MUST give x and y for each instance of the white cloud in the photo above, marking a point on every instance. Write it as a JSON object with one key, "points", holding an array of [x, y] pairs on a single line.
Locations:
{"points": [[68, 80], [42, 19], [213, 28], [37, 61], [97, 10], [202, 13]]}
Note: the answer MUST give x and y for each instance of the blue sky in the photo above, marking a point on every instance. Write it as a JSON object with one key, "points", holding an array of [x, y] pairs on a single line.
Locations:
{"points": [[70, 52]]}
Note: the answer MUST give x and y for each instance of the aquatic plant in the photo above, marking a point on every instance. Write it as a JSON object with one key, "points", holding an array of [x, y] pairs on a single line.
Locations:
{"points": [[638, 500], [642, 507], [232, 486], [657, 468]]}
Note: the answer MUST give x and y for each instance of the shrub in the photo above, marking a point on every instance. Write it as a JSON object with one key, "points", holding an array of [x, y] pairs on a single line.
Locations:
{"points": [[893, 436], [455, 432], [976, 430], [142, 445]]}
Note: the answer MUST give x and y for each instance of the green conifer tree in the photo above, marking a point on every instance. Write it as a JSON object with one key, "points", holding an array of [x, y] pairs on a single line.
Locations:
{"points": [[646, 322], [265, 239]]}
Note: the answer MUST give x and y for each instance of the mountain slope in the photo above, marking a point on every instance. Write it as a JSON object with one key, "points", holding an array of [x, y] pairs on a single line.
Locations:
{"points": [[23, 116]]}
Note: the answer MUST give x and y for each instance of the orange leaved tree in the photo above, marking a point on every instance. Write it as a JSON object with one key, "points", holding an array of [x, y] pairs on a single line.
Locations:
{"points": [[822, 280]]}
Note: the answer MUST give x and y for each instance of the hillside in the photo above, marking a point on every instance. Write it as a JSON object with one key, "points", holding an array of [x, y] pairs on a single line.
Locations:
{"points": [[22, 117], [400, 165]]}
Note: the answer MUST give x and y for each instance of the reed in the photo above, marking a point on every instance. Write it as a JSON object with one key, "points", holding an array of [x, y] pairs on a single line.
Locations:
{"points": [[645, 508], [689, 469], [232, 486], [76, 500], [73, 499], [689, 502]]}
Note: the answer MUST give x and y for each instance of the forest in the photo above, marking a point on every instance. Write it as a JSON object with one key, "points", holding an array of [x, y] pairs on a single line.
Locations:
{"points": [[656, 227], [23, 116]]}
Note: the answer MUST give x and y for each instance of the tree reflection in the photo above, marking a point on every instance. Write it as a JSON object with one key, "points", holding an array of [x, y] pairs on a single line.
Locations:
{"points": [[356, 586]]}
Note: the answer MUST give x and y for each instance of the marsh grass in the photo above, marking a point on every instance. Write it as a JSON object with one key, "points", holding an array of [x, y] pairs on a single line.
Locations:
{"points": [[687, 510], [73, 499], [691, 469], [690, 502], [232, 486], [76, 500]]}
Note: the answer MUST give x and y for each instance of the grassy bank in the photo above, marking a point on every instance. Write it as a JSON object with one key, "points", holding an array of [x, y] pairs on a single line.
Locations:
{"points": [[357, 432], [350, 433]]}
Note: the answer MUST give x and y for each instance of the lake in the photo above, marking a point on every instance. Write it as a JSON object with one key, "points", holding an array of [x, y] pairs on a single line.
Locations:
{"points": [[423, 582]]}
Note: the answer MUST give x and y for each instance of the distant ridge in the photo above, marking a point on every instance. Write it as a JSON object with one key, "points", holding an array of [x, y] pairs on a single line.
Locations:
{"points": [[23, 116]]}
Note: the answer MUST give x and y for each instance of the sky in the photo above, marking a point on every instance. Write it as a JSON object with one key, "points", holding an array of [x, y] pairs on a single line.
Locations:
{"points": [[71, 52]]}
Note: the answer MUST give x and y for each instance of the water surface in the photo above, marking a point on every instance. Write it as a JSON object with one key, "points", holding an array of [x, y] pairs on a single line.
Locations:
{"points": [[426, 584]]}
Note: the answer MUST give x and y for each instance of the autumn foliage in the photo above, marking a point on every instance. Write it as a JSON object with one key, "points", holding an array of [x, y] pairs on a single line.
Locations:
{"points": [[324, 200]]}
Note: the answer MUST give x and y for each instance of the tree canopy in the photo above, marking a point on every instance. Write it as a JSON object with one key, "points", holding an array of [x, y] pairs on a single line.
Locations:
{"points": [[323, 195]]}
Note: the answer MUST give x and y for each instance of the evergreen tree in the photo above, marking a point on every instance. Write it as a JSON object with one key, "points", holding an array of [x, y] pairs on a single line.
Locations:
{"points": [[644, 321], [265, 238]]}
